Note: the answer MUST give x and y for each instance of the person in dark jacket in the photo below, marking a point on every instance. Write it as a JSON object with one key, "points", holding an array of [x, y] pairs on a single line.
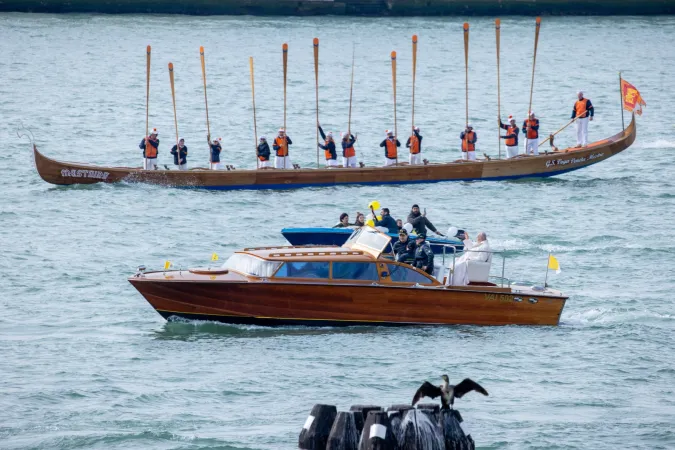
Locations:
{"points": [[387, 221], [390, 144], [404, 248], [399, 224], [344, 221], [328, 148], [263, 154], [414, 143], [424, 257], [149, 145], [360, 220], [348, 150], [179, 153], [216, 148], [420, 222]]}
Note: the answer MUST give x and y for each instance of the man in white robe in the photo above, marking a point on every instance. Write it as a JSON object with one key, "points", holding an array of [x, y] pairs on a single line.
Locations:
{"points": [[479, 252]]}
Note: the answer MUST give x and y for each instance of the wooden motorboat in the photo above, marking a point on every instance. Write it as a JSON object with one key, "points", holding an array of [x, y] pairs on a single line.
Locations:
{"points": [[338, 236], [523, 166], [356, 284]]}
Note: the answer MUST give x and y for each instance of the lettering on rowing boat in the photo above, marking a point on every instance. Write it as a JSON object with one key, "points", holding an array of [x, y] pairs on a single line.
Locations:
{"points": [[498, 297], [564, 162], [84, 173]]}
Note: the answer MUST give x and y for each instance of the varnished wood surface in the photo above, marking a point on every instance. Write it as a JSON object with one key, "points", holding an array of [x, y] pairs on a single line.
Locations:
{"points": [[544, 165], [244, 302]]}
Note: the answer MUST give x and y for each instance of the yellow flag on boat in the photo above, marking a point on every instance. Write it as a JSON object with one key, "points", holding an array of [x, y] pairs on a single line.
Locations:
{"points": [[553, 264], [214, 257], [167, 265]]}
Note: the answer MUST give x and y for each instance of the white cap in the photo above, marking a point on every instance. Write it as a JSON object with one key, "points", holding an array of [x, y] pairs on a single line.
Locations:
{"points": [[468, 125], [511, 118], [329, 134], [263, 138], [180, 139], [389, 133], [342, 134], [219, 139], [531, 113], [154, 131], [281, 130], [416, 128]]}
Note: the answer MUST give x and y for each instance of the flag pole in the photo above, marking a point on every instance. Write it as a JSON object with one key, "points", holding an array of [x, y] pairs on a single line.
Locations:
{"points": [[621, 104], [547, 263]]}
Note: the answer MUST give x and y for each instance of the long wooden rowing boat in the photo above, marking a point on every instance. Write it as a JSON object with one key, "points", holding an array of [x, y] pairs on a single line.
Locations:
{"points": [[545, 165]]}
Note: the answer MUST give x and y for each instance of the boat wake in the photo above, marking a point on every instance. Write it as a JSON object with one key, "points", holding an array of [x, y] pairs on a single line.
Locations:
{"points": [[610, 316]]}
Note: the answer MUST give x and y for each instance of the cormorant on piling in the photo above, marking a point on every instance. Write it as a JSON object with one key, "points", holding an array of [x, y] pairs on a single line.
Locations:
{"points": [[447, 391]]}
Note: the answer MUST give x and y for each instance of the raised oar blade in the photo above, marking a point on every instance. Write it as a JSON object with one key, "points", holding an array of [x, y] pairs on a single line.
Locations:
{"points": [[498, 26], [148, 52], [255, 126], [534, 60], [414, 62], [206, 102], [284, 50], [316, 89], [466, 67], [393, 76], [173, 97]]}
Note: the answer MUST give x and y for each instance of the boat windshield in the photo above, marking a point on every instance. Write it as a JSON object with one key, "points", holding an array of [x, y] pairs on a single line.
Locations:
{"points": [[251, 265], [368, 239]]}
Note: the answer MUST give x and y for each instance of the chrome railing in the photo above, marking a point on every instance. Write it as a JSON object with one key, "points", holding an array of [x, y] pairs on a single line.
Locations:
{"points": [[502, 278]]}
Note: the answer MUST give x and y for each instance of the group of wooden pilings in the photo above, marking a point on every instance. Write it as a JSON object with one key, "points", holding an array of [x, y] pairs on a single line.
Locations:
{"points": [[371, 427]]}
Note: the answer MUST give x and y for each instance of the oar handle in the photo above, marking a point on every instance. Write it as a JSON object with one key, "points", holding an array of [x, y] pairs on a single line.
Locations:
{"points": [[565, 126]]}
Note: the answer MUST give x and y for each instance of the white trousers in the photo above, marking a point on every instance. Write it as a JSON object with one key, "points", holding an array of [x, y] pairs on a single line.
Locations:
{"points": [[283, 162], [532, 146], [350, 161], [182, 166], [415, 159], [216, 166], [331, 163], [469, 156], [150, 163], [264, 164], [511, 151], [582, 131], [389, 162]]}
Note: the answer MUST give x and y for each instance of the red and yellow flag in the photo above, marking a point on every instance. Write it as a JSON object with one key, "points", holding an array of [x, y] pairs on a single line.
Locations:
{"points": [[632, 100]]}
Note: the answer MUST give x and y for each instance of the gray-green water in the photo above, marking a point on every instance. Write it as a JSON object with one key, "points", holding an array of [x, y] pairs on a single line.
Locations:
{"points": [[86, 362]]}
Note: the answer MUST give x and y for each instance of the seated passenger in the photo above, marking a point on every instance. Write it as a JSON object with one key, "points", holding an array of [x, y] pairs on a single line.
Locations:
{"points": [[387, 221], [479, 252], [424, 257], [404, 248], [399, 224], [360, 220], [344, 221]]}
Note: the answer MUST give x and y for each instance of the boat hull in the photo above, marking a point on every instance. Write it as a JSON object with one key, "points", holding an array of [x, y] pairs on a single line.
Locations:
{"points": [[275, 304], [544, 165], [338, 236]]}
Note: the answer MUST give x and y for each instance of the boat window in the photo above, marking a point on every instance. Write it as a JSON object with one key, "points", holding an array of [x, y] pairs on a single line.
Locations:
{"points": [[353, 238], [355, 271], [303, 269], [402, 274], [251, 265]]}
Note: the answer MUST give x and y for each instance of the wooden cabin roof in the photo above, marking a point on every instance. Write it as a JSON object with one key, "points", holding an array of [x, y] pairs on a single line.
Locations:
{"points": [[291, 253]]}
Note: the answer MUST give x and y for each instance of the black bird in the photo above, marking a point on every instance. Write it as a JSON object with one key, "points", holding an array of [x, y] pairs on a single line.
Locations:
{"points": [[447, 392]]}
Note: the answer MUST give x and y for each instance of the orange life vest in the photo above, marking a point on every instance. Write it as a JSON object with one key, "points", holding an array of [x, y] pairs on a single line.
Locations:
{"points": [[580, 108], [283, 145], [391, 149], [466, 145], [349, 151], [150, 150], [414, 145], [510, 141], [327, 153], [532, 134]]}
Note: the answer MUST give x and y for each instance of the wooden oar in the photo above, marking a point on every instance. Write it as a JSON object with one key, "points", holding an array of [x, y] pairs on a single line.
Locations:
{"points": [[414, 68], [175, 119], [206, 103], [499, 97], [534, 61], [255, 126], [351, 92], [284, 49], [566, 125], [393, 76], [466, 68], [316, 79], [147, 91]]}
